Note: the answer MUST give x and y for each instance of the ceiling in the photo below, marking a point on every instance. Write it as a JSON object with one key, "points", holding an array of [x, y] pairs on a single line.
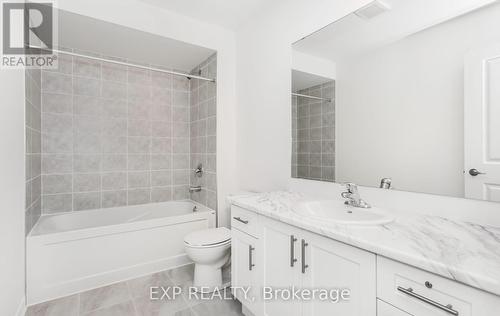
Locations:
{"points": [[229, 14], [352, 35], [92, 35], [303, 80]]}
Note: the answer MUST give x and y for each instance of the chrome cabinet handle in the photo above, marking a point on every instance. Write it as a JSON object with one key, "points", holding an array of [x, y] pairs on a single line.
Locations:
{"points": [[475, 172], [447, 308], [303, 248], [292, 250], [250, 259], [241, 220]]}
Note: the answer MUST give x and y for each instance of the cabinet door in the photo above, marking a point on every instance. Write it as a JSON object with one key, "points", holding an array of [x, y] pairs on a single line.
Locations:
{"points": [[334, 265], [245, 269], [280, 245], [384, 309]]}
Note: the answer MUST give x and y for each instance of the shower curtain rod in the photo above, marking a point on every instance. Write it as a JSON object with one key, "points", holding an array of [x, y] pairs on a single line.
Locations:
{"points": [[175, 73], [311, 97]]}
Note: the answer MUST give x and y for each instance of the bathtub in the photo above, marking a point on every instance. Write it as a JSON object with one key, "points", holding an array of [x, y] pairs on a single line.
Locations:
{"points": [[78, 251]]}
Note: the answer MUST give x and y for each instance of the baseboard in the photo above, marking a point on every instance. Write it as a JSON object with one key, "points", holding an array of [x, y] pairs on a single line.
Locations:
{"points": [[21, 309], [70, 287]]}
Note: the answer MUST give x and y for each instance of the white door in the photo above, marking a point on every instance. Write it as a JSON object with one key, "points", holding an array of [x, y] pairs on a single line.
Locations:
{"points": [[482, 124], [281, 266], [245, 269], [334, 265]]}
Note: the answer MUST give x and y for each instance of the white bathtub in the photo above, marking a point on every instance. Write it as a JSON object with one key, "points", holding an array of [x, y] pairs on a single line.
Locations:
{"points": [[78, 251]]}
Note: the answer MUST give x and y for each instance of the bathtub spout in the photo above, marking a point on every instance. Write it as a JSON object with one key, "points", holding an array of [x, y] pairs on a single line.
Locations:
{"points": [[194, 189]]}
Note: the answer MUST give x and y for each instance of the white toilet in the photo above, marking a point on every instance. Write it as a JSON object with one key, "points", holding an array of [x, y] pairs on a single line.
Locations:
{"points": [[209, 249]]}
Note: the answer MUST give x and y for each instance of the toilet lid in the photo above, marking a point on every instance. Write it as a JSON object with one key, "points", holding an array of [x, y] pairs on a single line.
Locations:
{"points": [[208, 237]]}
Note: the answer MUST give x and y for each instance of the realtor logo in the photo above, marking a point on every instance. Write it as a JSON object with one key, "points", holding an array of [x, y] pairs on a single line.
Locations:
{"points": [[28, 34]]}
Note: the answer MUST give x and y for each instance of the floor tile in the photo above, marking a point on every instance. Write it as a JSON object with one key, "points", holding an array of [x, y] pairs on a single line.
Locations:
{"points": [[147, 307], [181, 274], [103, 297], [217, 308], [142, 286], [123, 309], [67, 306]]}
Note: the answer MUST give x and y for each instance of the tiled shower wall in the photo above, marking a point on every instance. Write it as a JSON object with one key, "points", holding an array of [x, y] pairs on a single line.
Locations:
{"points": [[203, 125], [313, 134], [112, 135], [33, 147]]}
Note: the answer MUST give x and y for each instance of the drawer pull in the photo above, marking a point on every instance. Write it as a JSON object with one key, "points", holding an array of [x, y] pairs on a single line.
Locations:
{"points": [[250, 258], [304, 244], [447, 308], [292, 251], [241, 220]]}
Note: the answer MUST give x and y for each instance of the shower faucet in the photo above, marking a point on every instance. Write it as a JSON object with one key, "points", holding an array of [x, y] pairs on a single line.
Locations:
{"points": [[199, 171]]}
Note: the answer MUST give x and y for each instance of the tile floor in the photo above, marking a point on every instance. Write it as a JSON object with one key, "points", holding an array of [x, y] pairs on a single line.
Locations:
{"points": [[131, 298]]}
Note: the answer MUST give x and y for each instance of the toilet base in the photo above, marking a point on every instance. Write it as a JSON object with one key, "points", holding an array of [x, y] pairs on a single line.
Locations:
{"points": [[207, 278]]}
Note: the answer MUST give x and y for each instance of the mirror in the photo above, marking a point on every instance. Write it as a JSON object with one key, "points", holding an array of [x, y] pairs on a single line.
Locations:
{"points": [[402, 94]]}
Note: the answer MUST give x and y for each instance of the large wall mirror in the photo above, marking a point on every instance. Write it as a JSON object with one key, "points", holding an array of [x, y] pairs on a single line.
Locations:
{"points": [[402, 94]]}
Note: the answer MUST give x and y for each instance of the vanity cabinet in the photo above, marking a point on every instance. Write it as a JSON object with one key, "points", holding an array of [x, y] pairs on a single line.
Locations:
{"points": [[281, 265], [384, 309], [296, 258], [269, 254], [333, 264], [245, 269], [418, 292]]}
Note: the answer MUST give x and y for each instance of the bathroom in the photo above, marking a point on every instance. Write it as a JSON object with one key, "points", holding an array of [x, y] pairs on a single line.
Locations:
{"points": [[180, 153]]}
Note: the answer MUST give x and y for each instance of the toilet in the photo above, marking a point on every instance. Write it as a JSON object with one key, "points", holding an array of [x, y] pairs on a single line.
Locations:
{"points": [[210, 250]]}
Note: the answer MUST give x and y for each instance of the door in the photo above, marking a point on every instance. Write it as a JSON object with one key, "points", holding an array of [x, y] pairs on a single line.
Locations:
{"points": [[245, 269], [281, 266], [482, 124], [336, 266]]}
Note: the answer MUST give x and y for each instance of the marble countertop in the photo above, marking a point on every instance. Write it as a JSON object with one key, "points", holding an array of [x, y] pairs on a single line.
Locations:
{"points": [[465, 252]]}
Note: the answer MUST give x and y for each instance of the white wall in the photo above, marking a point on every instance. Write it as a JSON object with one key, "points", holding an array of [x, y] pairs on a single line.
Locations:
{"points": [[313, 65], [264, 116], [400, 108], [264, 86], [152, 19], [12, 188]]}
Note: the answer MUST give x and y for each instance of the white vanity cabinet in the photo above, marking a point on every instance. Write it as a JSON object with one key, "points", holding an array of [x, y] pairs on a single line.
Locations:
{"points": [[418, 292], [384, 309], [294, 257], [268, 253], [328, 264], [281, 265], [246, 261], [287, 257]]}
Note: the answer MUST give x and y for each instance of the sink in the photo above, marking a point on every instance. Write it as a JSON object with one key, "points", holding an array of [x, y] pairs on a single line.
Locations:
{"points": [[338, 213]]}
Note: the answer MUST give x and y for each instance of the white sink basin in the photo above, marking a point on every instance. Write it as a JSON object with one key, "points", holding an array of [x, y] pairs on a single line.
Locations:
{"points": [[338, 213]]}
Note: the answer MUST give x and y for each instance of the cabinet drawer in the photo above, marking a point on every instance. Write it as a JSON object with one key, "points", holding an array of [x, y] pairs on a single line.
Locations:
{"points": [[422, 293], [384, 309], [244, 220]]}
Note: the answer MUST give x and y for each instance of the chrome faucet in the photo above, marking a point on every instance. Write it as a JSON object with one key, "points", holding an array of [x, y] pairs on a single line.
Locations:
{"points": [[353, 197]]}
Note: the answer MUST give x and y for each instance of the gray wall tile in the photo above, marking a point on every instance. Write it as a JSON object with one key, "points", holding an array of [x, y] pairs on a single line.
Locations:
{"points": [[57, 203], [140, 196], [313, 134], [202, 133], [86, 86], [53, 184], [114, 135], [86, 182], [113, 198], [86, 201], [114, 180]]}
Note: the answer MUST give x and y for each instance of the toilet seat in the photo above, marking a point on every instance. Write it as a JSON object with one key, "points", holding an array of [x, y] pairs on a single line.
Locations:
{"points": [[208, 238]]}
